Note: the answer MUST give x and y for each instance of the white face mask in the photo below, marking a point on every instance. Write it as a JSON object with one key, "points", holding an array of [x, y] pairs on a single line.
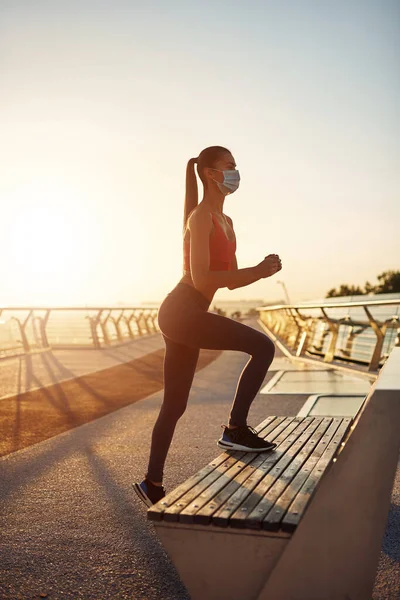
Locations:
{"points": [[230, 183]]}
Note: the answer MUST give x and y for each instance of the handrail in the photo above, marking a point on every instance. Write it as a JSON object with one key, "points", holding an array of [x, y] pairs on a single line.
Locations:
{"points": [[331, 304], [103, 327], [304, 334]]}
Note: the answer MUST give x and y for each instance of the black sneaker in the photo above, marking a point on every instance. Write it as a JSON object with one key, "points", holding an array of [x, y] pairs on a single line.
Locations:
{"points": [[243, 438], [148, 492]]}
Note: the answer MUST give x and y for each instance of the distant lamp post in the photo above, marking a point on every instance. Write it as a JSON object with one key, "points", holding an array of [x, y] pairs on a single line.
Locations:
{"points": [[285, 290]]}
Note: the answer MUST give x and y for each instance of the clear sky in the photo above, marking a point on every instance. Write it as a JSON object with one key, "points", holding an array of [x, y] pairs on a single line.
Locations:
{"points": [[102, 103]]}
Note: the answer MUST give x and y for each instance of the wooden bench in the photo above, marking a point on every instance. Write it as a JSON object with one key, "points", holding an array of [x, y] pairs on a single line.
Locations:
{"points": [[304, 521]]}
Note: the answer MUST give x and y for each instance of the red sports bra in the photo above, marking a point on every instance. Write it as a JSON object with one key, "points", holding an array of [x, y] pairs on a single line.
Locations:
{"points": [[222, 250]]}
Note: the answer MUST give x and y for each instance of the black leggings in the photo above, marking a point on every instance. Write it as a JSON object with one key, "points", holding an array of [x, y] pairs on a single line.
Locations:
{"points": [[186, 327]]}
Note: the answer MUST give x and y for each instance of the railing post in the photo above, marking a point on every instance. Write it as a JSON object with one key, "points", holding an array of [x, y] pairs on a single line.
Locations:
{"points": [[146, 320], [24, 341], [305, 333], [43, 332], [94, 322], [279, 321], [288, 330], [334, 328], [103, 325], [117, 326], [137, 318], [377, 353], [128, 324], [351, 337], [299, 324], [397, 342], [154, 321]]}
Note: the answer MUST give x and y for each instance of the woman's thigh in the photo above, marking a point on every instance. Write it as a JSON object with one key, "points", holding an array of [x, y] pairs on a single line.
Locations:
{"points": [[209, 330], [196, 328], [179, 368]]}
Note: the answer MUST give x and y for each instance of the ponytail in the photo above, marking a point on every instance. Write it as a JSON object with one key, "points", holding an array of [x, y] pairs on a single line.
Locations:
{"points": [[191, 196], [206, 158]]}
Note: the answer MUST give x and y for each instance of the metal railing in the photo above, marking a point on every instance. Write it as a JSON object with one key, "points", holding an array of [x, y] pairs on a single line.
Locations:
{"points": [[26, 329], [361, 332]]}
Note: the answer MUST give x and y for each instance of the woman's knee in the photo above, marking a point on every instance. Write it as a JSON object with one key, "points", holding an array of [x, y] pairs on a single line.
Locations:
{"points": [[173, 412], [265, 347]]}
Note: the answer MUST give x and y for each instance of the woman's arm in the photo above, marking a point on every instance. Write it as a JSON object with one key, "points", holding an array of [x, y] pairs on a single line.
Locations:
{"points": [[233, 266], [200, 225]]}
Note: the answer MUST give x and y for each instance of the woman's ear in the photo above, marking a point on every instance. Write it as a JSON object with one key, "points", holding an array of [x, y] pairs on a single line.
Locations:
{"points": [[214, 174]]}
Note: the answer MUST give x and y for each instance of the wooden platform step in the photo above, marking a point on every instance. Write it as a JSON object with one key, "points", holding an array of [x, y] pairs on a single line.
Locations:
{"points": [[259, 490]]}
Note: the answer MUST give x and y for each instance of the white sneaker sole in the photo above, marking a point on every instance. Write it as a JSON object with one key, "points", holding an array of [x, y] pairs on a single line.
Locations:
{"points": [[141, 494], [232, 446]]}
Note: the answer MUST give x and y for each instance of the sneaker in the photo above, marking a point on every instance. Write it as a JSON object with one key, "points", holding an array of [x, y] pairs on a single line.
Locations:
{"points": [[243, 438], [148, 492]]}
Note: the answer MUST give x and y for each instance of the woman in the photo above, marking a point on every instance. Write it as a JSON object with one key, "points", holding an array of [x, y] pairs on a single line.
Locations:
{"points": [[186, 325]]}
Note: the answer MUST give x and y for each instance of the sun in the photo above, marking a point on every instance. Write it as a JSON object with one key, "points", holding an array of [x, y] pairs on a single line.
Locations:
{"points": [[50, 234]]}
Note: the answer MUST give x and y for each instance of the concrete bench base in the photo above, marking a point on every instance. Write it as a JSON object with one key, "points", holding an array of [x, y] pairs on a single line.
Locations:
{"points": [[216, 563]]}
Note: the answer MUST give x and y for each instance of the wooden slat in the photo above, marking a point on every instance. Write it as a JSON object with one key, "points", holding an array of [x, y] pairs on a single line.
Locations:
{"points": [[208, 497], [177, 499], [272, 520], [222, 517], [155, 512], [256, 517], [297, 507], [241, 517]]}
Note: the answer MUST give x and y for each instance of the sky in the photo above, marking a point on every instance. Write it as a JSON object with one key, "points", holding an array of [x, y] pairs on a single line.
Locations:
{"points": [[102, 104]]}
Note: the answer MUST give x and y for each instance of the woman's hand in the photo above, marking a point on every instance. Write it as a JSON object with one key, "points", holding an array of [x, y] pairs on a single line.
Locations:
{"points": [[269, 266]]}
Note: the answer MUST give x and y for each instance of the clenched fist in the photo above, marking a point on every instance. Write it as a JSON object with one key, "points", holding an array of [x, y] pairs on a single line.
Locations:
{"points": [[269, 266]]}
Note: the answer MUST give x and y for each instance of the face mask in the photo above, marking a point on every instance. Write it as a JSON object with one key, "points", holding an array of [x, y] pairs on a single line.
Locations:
{"points": [[230, 183]]}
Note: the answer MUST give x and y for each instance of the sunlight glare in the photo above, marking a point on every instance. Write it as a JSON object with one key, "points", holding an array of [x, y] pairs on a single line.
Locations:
{"points": [[50, 241]]}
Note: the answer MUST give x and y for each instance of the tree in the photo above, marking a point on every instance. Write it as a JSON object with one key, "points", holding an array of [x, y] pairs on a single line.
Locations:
{"points": [[219, 311], [345, 290], [389, 283], [369, 288]]}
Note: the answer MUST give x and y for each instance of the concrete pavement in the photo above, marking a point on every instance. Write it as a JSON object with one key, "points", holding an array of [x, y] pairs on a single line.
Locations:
{"points": [[29, 372]]}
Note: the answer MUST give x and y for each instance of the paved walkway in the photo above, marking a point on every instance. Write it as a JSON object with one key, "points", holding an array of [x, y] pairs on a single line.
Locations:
{"points": [[29, 372], [71, 525]]}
